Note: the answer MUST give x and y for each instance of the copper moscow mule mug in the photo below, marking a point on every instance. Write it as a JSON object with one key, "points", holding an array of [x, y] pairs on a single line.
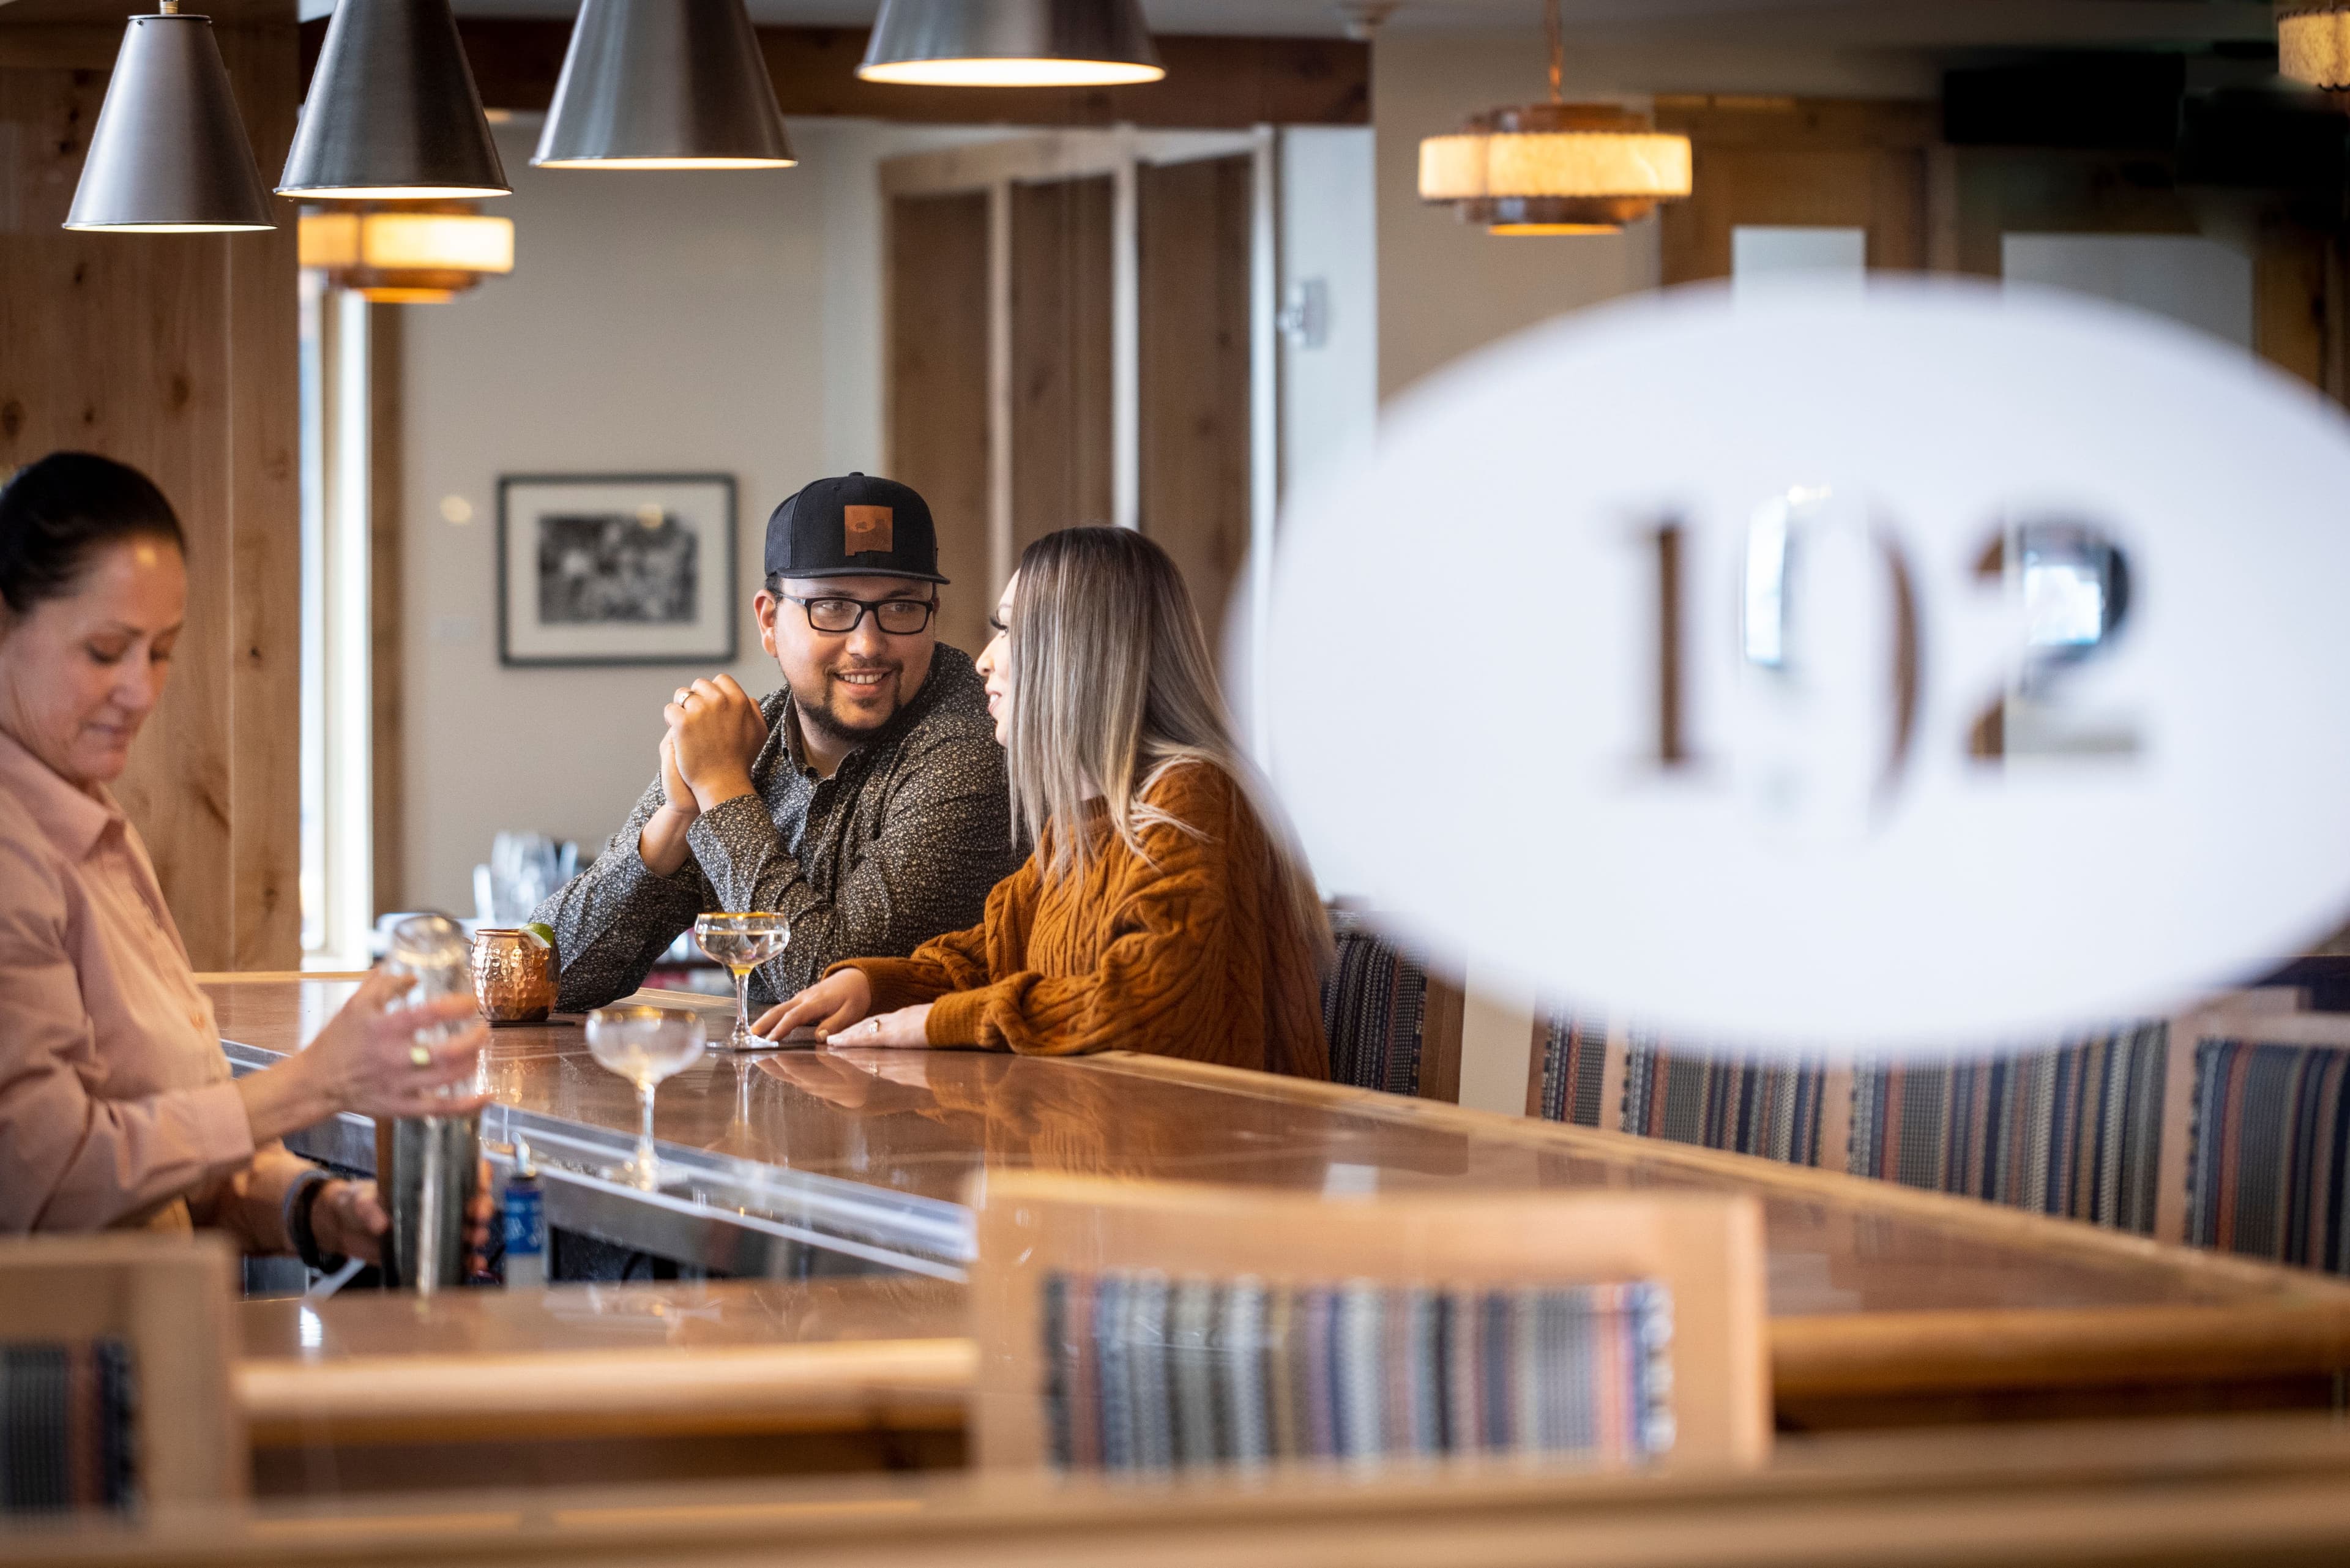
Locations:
{"points": [[514, 976]]}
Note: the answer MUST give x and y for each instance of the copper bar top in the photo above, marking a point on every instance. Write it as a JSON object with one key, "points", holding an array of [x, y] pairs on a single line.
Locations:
{"points": [[865, 1156]]}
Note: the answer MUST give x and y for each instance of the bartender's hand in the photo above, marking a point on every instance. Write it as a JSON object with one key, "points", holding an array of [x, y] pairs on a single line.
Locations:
{"points": [[367, 1060], [716, 732], [831, 1004], [347, 1217]]}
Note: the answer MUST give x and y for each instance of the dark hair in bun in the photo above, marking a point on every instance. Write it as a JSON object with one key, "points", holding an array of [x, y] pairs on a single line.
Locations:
{"points": [[57, 513]]}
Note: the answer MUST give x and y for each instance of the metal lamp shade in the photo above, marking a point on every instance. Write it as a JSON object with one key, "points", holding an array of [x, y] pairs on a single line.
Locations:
{"points": [[1011, 43], [169, 155], [664, 84], [392, 112]]}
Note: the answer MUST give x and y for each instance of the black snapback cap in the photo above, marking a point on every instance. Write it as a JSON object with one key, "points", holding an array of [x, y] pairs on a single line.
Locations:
{"points": [[854, 526]]}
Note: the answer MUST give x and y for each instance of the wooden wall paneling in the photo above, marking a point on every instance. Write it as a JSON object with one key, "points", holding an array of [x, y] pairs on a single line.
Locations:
{"points": [[2289, 301], [937, 411], [173, 354], [1061, 263], [1213, 81], [387, 518], [1833, 163], [2051, 191], [1193, 221], [1441, 1007], [262, 330], [98, 352]]}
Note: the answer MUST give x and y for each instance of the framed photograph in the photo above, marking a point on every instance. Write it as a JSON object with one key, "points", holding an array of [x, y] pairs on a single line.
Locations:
{"points": [[616, 568]]}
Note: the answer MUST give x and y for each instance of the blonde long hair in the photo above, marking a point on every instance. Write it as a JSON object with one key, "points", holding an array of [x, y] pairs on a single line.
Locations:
{"points": [[1112, 685]]}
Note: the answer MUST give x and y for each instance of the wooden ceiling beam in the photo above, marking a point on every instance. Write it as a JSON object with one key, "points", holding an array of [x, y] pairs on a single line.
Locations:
{"points": [[1212, 82]]}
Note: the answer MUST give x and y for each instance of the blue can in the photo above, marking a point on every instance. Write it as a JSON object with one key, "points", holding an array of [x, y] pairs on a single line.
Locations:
{"points": [[525, 1230]]}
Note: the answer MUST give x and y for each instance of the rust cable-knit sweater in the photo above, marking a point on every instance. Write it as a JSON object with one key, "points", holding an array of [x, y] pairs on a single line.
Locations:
{"points": [[1194, 951]]}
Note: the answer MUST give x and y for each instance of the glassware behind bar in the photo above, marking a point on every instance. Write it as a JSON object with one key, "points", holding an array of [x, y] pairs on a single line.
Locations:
{"points": [[740, 943], [644, 1045]]}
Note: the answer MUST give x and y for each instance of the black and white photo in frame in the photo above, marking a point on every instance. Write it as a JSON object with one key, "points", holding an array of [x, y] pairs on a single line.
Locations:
{"points": [[621, 568]]}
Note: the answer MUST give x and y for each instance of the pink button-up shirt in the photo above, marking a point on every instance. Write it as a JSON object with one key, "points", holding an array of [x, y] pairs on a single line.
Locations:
{"points": [[116, 1103]]}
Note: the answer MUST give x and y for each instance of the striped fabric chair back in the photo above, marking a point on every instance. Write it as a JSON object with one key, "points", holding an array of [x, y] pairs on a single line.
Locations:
{"points": [[1374, 1010], [2268, 1169], [1151, 1328], [2076, 1131], [1724, 1102], [68, 1437], [114, 1376]]}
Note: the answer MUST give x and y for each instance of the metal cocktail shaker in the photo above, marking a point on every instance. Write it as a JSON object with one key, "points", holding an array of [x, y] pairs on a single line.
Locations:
{"points": [[426, 1168]]}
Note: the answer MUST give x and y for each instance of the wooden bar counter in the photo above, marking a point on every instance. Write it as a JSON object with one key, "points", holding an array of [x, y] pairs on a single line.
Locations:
{"points": [[1889, 1305]]}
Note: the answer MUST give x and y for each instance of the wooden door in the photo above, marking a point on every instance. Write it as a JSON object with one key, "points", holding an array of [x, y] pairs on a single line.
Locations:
{"points": [[1061, 372], [1193, 234], [937, 440], [1799, 163]]}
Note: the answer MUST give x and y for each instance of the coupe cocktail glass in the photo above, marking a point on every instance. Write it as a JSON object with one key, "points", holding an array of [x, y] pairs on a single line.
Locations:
{"points": [[740, 943], [645, 1045]]}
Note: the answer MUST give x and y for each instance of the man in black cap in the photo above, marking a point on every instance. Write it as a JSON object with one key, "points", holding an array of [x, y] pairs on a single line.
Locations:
{"points": [[864, 802]]}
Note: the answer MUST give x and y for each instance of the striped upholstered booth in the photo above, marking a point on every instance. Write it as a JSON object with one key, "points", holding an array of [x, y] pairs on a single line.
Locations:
{"points": [[1716, 1101], [2268, 1161], [2250, 1153], [2074, 1131], [1389, 1024]]}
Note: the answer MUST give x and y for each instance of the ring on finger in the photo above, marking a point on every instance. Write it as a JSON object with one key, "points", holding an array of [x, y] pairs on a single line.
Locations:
{"points": [[418, 1056]]}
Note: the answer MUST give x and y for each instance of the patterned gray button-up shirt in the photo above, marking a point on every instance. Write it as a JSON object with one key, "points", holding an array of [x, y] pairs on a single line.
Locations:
{"points": [[903, 843]]}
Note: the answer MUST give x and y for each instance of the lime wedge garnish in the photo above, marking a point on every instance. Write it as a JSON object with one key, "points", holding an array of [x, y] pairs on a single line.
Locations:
{"points": [[540, 932]]}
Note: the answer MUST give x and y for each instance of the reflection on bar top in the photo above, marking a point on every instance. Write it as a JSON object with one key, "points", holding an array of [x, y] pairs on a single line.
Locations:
{"points": [[903, 1132]]}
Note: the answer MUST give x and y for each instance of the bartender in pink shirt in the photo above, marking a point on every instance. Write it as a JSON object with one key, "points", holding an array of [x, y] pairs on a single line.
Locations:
{"points": [[116, 1108]]}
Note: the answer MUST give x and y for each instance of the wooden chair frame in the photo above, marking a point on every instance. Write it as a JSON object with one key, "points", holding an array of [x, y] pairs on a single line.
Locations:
{"points": [[1707, 1249], [169, 1296]]}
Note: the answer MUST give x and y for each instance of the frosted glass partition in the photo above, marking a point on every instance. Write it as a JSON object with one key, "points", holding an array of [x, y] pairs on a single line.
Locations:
{"points": [[1762, 255], [2188, 279]]}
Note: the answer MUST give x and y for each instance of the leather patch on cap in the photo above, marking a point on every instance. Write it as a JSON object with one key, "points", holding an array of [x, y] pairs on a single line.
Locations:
{"points": [[866, 528]]}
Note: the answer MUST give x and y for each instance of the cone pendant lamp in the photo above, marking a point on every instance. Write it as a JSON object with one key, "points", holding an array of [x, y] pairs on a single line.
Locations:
{"points": [[392, 113], [169, 155], [664, 84], [1011, 43]]}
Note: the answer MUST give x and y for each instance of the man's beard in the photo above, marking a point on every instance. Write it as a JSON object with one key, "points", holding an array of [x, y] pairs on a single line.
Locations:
{"points": [[819, 713]]}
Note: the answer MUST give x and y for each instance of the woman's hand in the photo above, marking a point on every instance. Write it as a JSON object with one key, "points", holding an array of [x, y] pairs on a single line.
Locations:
{"points": [[374, 1065], [347, 1217], [366, 1059], [831, 1004], [905, 1029]]}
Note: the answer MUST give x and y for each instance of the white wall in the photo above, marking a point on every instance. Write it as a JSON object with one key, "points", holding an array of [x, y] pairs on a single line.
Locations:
{"points": [[1329, 233], [723, 322]]}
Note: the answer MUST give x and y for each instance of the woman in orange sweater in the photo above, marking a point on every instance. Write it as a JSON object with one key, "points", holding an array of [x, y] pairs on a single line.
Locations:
{"points": [[1164, 909]]}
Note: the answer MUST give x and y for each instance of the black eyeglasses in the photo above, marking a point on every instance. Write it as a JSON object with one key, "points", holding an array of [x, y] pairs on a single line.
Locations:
{"points": [[899, 618]]}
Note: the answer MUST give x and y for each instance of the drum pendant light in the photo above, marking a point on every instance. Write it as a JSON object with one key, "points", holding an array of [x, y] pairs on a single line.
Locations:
{"points": [[2314, 42], [664, 84], [1011, 43], [169, 155], [392, 112], [1556, 168]]}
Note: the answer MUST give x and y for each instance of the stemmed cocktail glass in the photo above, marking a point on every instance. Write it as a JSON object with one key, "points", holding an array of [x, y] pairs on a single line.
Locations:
{"points": [[645, 1045], [740, 943]]}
